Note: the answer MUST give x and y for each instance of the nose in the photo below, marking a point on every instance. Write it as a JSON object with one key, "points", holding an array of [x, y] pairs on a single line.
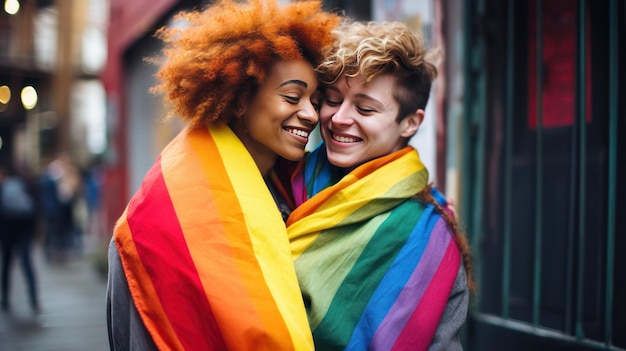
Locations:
{"points": [[341, 116], [308, 114]]}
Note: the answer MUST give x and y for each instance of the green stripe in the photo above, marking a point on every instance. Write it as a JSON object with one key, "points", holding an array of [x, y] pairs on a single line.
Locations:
{"points": [[339, 246], [344, 237], [373, 262]]}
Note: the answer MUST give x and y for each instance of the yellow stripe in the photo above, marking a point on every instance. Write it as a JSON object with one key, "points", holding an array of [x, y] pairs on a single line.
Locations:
{"points": [[338, 207], [369, 187], [269, 235]]}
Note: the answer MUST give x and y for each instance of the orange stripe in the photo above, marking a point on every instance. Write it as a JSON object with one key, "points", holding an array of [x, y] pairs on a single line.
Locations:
{"points": [[268, 236], [265, 316], [240, 286], [142, 291]]}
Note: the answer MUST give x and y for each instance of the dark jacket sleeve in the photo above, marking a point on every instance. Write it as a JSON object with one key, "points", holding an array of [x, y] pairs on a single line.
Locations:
{"points": [[125, 327], [447, 335]]}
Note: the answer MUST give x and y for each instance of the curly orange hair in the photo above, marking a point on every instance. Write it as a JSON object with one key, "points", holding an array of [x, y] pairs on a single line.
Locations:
{"points": [[215, 64]]}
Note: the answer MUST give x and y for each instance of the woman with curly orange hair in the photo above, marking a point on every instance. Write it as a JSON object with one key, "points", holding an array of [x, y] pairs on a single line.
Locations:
{"points": [[200, 257]]}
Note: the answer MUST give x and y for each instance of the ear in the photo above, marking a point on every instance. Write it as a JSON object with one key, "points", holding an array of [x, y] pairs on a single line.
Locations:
{"points": [[411, 123]]}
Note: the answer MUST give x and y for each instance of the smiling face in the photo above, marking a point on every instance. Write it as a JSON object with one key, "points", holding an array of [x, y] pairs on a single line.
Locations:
{"points": [[282, 114], [358, 122]]}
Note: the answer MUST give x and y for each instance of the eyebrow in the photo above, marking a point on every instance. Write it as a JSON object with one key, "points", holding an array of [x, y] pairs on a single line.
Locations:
{"points": [[294, 81], [358, 95], [366, 97]]}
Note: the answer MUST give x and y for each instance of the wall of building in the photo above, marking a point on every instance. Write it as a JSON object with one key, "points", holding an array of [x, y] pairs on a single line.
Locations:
{"points": [[130, 21]]}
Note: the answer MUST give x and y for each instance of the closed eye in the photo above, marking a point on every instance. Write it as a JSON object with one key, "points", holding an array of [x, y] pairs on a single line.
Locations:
{"points": [[292, 99], [365, 110], [331, 102]]}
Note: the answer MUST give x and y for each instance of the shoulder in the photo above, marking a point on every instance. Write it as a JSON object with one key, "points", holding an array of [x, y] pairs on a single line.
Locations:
{"points": [[125, 327], [447, 335]]}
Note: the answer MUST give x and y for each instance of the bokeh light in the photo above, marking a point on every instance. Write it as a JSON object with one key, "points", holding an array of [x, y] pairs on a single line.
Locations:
{"points": [[11, 6], [29, 97], [5, 97]]}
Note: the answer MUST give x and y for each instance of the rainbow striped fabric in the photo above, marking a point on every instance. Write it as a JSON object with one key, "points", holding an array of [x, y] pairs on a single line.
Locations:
{"points": [[375, 266], [206, 254]]}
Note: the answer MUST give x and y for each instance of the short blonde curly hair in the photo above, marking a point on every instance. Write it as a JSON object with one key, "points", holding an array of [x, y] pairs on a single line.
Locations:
{"points": [[375, 48], [215, 64]]}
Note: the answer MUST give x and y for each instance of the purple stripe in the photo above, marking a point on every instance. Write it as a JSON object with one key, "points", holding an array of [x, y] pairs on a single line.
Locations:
{"points": [[397, 317]]}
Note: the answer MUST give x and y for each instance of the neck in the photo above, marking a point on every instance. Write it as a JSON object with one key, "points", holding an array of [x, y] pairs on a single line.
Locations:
{"points": [[262, 156]]}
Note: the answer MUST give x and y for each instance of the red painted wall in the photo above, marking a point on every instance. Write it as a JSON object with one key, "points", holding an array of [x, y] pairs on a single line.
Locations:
{"points": [[129, 20]]}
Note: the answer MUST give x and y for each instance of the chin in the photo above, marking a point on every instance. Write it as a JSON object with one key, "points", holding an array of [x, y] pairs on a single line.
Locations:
{"points": [[340, 162], [293, 156]]}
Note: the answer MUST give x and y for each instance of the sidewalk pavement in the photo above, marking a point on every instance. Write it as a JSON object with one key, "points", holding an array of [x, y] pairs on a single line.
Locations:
{"points": [[72, 300]]}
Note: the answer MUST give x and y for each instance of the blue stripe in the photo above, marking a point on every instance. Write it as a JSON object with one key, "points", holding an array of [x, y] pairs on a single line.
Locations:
{"points": [[319, 174], [315, 177], [394, 280]]}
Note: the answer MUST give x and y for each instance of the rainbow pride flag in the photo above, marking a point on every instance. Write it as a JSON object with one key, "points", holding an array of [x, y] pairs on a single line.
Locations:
{"points": [[206, 254], [376, 266]]}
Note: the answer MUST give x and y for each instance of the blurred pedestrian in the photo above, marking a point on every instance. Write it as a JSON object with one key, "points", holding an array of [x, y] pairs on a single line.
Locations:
{"points": [[92, 194], [18, 218], [60, 187], [202, 249]]}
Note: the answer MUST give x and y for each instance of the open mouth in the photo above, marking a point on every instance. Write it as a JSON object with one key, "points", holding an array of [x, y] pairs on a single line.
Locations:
{"points": [[345, 139], [299, 132]]}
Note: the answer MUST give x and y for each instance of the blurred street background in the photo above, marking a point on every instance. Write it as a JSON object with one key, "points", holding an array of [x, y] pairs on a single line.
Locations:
{"points": [[524, 131], [71, 316]]}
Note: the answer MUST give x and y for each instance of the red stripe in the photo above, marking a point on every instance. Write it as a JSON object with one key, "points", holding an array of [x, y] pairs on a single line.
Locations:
{"points": [[161, 247], [421, 326]]}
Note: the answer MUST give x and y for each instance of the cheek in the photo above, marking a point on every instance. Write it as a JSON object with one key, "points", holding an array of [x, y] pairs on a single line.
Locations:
{"points": [[326, 113], [251, 122]]}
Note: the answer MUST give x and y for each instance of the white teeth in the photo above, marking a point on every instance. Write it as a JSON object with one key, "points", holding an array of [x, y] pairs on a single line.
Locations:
{"points": [[343, 139], [298, 132]]}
